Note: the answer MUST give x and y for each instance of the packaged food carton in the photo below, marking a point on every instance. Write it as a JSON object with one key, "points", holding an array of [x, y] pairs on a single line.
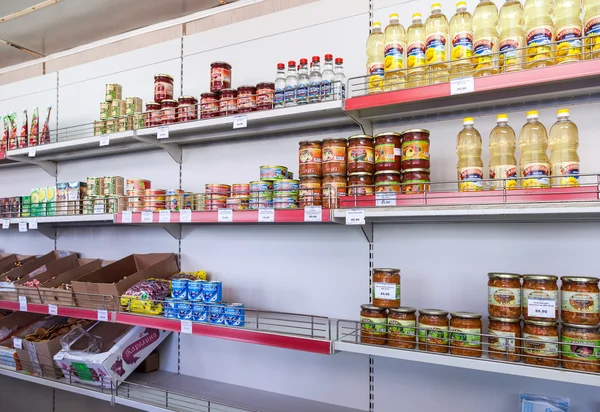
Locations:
{"points": [[76, 192], [10, 326], [62, 195]]}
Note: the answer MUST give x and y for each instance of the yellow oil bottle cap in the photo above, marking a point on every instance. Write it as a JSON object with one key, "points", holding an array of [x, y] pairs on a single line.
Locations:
{"points": [[376, 25], [394, 16], [417, 16], [468, 120], [502, 117], [562, 112], [436, 6], [461, 5], [532, 114]]}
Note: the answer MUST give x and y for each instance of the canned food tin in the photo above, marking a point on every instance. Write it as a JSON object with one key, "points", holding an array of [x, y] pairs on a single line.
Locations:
{"points": [[217, 189], [111, 125], [201, 312], [240, 190], [94, 186], [116, 204], [104, 110], [173, 192], [235, 314], [212, 291], [287, 202], [183, 310], [99, 127], [188, 202], [199, 201], [179, 289], [124, 123], [112, 185], [113, 92], [117, 108], [195, 290], [273, 172], [261, 187], [237, 203], [133, 105], [138, 184], [217, 313], [286, 185], [210, 205], [256, 204], [169, 309], [138, 121], [174, 202]]}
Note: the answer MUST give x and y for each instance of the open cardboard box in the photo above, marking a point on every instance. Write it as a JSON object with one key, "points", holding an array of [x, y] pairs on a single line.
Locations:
{"points": [[125, 347], [17, 322], [42, 275], [8, 263], [92, 290]]}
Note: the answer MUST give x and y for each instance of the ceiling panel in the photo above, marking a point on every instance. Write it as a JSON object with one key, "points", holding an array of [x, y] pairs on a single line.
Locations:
{"points": [[8, 7], [10, 55]]}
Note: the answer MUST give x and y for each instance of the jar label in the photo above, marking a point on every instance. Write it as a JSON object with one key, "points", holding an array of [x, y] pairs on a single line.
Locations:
{"points": [[592, 26], [505, 297], [162, 91], [580, 302], [568, 44], [538, 294], [465, 337], [385, 153], [435, 48], [246, 101], [437, 335], [470, 179], [394, 54], [402, 327], [415, 150], [373, 325], [219, 75], [310, 155], [502, 341], [415, 55], [387, 187], [539, 43], [511, 56], [580, 349], [360, 154], [387, 291], [415, 186], [264, 97], [462, 46], [334, 154], [536, 175], [569, 172], [483, 53], [538, 345], [508, 172]]}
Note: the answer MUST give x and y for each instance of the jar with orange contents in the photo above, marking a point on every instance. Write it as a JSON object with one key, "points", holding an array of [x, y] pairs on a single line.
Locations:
{"points": [[360, 157], [220, 76], [334, 187], [228, 103], [360, 184], [334, 155], [415, 181], [153, 115], [246, 99], [309, 190], [309, 158], [265, 93], [168, 110], [187, 109], [387, 181], [387, 152], [209, 105]]}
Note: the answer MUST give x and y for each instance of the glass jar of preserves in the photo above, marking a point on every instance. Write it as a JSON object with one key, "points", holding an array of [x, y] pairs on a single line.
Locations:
{"points": [[309, 158], [433, 330], [504, 340], [401, 327], [220, 76], [465, 334], [415, 149], [579, 300], [504, 295], [373, 325], [415, 181], [246, 99], [387, 152], [360, 184], [386, 288], [334, 155], [265, 93], [388, 181], [360, 154], [209, 105], [540, 343], [163, 87], [309, 190], [187, 109], [580, 347], [153, 115], [542, 290], [228, 103], [334, 187], [168, 109]]}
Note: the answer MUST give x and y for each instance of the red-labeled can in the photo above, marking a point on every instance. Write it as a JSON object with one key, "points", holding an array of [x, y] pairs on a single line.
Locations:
{"points": [[220, 76], [209, 105], [163, 87]]}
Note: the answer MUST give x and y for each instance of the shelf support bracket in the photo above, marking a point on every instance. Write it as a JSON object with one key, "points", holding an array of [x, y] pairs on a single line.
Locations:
{"points": [[48, 231], [174, 150], [173, 230], [48, 166], [367, 230], [365, 125]]}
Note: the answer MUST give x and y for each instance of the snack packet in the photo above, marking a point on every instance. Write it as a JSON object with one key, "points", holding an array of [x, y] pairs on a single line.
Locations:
{"points": [[45, 135], [34, 134], [12, 138], [4, 141], [24, 135]]}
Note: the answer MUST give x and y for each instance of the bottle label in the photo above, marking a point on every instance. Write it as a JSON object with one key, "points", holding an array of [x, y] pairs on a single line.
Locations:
{"points": [[289, 94], [385, 153], [580, 302], [415, 56], [465, 337], [402, 327], [505, 297], [375, 77], [373, 325], [394, 55], [568, 44], [536, 175], [581, 349], [326, 89], [279, 97], [538, 295], [540, 345], [511, 57], [314, 92], [435, 49], [470, 179], [539, 41], [415, 150], [502, 341], [462, 47], [569, 172], [483, 49], [508, 172], [302, 94], [436, 335]]}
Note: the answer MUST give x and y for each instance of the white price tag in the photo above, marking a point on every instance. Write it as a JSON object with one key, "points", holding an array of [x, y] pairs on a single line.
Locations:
{"points": [[164, 216], [32, 151], [147, 216], [240, 122], [18, 343], [185, 216], [385, 199], [102, 315], [33, 224], [355, 217], [104, 140], [186, 326], [99, 209], [313, 214], [462, 85], [53, 310], [23, 303], [541, 308], [22, 226], [126, 216], [225, 215], [162, 132], [385, 291], [5, 223], [266, 215]]}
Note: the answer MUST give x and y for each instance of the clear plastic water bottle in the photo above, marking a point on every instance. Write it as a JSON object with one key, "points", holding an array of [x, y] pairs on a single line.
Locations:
{"points": [[328, 79], [291, 83], [280, 86], [339, 81], [314, 91], [303, 83]]}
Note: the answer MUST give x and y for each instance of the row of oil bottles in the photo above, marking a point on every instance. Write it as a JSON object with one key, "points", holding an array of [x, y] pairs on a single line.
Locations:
{"points": [[543, 33], [561, 169]]}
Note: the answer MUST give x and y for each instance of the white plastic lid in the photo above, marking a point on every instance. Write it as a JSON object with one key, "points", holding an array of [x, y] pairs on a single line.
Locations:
{"points": [[468, 120]]}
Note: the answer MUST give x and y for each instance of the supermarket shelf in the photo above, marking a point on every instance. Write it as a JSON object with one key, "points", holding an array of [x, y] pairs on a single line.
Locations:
{"points": [[480, 364], [238, 216], [71, 312], [66, 220]]}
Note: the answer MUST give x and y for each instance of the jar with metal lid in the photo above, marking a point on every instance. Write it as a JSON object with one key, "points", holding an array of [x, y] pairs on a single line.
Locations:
{"points": [[246, 99], [387, 152], [433, 330], [228, 102], [388, 181], [309, 158], [153, 115], [373, 325], [309, 190], [415, 181], [402, 324], [540, 343], [580, 347], [504, 295], [504, 340], [220, 76], [360, 184], [334, 155], [209, 105], [163, 87], [334, 187], [187, 109], [168, 109], [415, 149], [465, 334], [265, 92], [360, 155], [386, 288], [579, 297], [541, 293]]}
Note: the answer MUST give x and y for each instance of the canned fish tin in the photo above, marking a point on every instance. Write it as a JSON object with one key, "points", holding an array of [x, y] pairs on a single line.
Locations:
{"points": [[217, 189], [117, 108], [188, 202], [173, 192], [240, 190], [235, 314], [174, 202], [212, 291], [199, 201], [133, 105], [273, 172], [99, 127], [261, 187], [217, 313], [201, 312], [195, 289], [179, 289], [285, 203], [169, 310], [256, 204], [138, 184], [113, 185], [113, 92], [104, 110], [183, 310], [237, 203], [286, 185]]}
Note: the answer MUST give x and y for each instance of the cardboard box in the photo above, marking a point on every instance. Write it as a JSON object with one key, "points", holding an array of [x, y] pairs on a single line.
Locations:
{"points": [[44, 274], [150, 364], [116, 278], [125, 347], [25, 206], [17, 323], [9, 263]]}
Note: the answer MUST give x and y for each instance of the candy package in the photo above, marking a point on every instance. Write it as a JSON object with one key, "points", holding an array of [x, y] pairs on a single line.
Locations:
{"points": [[45, 135], [146, 296], [4, 141], [24, 135], [12, 137], [198, 275], [35, 128], [539, 403]]}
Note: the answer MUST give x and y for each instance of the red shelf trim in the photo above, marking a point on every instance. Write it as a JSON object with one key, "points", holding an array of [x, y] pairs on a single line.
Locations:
{"points": [[71, 312], [239, 216]]}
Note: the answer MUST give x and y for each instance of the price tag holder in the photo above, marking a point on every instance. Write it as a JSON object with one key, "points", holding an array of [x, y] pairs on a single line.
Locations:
{"points": [[23, 303], [104, 140], [164, 216], [22, 226], [185, 216], [240, 122], [126, 216], [186, 326], [162, 132], [5, 223], [33, 224], [99, 209], [385, 199], [225, 215], [266, 215], [53, 310], [102, 315], [462, 85], [541, 308], [147, 216], [18, 343], [313, 214], [355, 217], [32, 151]]}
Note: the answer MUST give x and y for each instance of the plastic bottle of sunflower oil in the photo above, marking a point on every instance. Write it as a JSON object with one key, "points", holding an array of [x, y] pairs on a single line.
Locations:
{"points": [[415, 52], [503, 163], [395, 37], [591, 28], [485, 38], [539, 33], [533, 143], [563, 142], [436, 45], [375, 48], [567, 21], [470, 166], [512, 36], [461, 35]]}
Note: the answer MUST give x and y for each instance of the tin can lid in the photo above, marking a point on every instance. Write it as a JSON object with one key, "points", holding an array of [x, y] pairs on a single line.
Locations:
{"points": [[372, 307], [541, 323], [403, 309], [466, 315], [506, 320], [387, 172], [579, 279], [387, 134], [433, 312], [309, 142], [415, 131], [387, 270], [404, 171], [360, 136], [265, 84]]}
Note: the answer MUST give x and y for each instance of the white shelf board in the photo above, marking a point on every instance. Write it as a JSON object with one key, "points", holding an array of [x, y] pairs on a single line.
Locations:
{"points": [[480, 364], [71, 219]]}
